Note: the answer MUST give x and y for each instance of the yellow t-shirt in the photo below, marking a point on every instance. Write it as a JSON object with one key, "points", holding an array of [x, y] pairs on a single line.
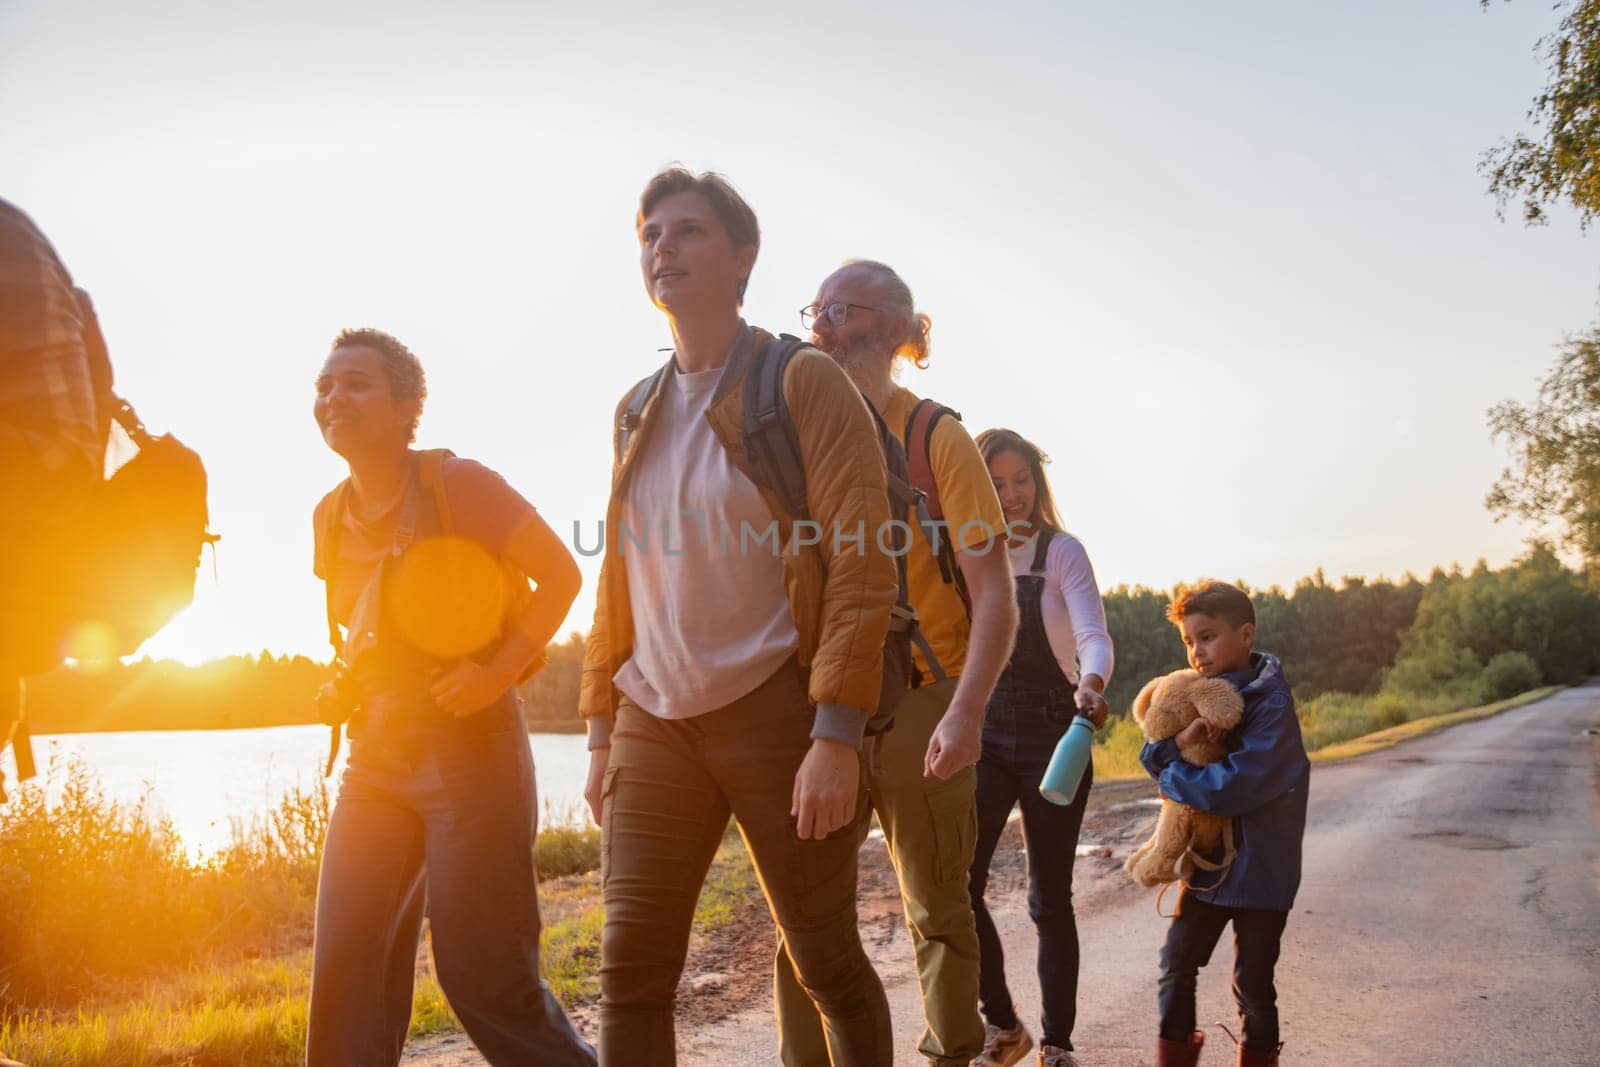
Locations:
{"points": [[972, 516]]}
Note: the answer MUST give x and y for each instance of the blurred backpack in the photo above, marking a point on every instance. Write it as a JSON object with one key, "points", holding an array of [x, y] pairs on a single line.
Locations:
{"points": [[134, 548]]}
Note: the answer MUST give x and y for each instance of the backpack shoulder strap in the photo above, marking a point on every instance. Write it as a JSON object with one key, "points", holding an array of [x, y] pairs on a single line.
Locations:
{"points": [[919, 441], [920, 424], [330, 523], [430, 473], [770, 441], [628, 421]]}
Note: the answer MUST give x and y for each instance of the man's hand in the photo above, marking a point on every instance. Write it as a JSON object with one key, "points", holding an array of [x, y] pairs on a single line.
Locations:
{"points": [[467, 688], [826, 789], [599, 760], [1199, 732], [957, 742], [1092, 705]]}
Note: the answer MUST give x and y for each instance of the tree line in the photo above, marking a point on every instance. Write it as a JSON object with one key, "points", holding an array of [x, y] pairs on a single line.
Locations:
{"points": [[1475, 634]]}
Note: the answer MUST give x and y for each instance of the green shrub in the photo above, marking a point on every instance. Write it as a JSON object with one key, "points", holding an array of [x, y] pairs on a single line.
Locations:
{"points": [[567, 848], [1508, 674], [98, 894], [1116, 750]]}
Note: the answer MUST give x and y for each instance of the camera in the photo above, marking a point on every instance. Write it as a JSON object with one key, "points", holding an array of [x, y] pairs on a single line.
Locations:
{"points": [[340, 698]]}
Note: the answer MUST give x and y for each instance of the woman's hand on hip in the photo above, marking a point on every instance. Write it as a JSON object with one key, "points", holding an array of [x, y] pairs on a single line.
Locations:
{"points": [[826, 789], [467, 687], [599, 760]]}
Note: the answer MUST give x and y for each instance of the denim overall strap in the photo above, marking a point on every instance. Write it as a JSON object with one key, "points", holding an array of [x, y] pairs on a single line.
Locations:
{"points": [[1033, 666]]}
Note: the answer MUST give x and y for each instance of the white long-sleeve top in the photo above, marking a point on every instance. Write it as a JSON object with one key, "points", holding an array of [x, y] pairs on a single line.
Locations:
{"points": [[1074, 617]]}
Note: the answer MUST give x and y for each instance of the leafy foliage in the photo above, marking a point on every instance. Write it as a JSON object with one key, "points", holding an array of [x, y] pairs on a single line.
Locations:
{"points": [[1555, 446], [1560, 161], [1536, 606]]}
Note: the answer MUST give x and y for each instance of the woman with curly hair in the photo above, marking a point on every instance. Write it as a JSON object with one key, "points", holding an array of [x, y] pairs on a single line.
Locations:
{"points": [[426, 560]]}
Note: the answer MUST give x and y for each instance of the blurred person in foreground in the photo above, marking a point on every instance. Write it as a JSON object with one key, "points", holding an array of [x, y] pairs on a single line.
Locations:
{"points": [[53, 431], [52, 445]]}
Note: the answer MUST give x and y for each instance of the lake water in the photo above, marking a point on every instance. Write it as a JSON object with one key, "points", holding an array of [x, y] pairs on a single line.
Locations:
{"points": [[206, 781]]}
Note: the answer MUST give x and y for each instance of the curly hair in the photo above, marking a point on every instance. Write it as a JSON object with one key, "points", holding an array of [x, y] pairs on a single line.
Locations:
{"points": [[1217, 599], [400, 365], [993, 442]]}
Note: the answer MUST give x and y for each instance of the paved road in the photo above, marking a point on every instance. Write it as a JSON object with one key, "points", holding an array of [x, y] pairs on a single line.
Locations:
{"points": [[1450, 914]]}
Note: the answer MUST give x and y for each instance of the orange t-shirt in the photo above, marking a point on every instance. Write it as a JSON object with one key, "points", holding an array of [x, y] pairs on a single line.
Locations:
{"points": [[483, 508], [972, 516]]}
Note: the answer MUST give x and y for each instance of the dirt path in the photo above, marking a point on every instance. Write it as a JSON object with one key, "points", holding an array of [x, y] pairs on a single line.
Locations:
{"points": [[1450, 913]]}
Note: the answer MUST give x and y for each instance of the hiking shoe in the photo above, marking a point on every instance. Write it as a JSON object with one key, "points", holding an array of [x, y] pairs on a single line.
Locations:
{"points": [[1002, 1048], [1051, 1056]]}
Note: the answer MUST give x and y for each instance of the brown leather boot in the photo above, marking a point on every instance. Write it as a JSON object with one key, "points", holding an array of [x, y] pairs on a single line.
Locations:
{"points": [[1255, 1057], [1179, 1053]]}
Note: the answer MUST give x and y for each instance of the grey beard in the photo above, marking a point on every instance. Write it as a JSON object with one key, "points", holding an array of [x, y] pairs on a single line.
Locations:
{"points": [[861, 359]]}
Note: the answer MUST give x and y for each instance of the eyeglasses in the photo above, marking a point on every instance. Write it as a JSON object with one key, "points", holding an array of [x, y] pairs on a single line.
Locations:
{"points": [[835, 312]]}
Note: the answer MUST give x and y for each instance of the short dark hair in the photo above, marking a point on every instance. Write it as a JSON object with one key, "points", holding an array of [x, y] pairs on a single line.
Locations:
{"points": [[736, 216], [400, 365], [1217, 599]]}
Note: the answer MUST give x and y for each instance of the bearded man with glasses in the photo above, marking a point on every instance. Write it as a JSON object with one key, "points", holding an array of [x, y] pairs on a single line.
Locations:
{"points": [[923, 792]]}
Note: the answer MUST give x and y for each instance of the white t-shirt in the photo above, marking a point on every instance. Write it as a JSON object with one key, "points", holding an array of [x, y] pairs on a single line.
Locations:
{"points": [[711, 618], [1074, 617]]}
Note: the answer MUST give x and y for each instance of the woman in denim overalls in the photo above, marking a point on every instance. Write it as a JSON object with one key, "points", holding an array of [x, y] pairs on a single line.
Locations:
{"points": [[1059, 668], [437, 800]]}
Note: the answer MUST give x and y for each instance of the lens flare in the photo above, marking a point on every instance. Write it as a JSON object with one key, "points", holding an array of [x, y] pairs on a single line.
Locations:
{"points": [[448, 597]]}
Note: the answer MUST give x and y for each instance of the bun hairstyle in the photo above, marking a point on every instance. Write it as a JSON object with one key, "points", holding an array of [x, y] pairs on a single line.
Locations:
{"points": [[736, 216], [400, 366], [993, 442], [897, 301]]}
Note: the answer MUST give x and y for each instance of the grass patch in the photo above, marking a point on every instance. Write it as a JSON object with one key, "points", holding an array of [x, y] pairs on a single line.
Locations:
{"points": [[1116, 750], [118, 948], [730, 884], [252, 1015], [570, 946], [1417, 727], [566, 848]]}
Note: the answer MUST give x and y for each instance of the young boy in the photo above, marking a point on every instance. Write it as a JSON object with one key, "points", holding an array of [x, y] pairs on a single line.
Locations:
{"points": [[1260, 785]]}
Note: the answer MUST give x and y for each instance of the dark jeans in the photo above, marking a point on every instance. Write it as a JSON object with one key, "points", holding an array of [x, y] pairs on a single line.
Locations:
{"points": [[1190, 939], [451, 799], [668, 791], [1020, 731]]}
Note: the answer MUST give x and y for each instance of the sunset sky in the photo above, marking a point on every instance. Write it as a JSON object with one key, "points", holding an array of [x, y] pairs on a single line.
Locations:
{"points": [[1230, 263]]}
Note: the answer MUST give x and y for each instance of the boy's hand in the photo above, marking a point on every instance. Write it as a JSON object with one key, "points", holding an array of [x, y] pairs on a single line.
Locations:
{"points": [[1199, 732]]}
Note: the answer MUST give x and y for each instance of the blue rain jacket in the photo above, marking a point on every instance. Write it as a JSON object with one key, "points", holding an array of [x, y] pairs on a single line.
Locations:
{"points": [[1261, 784]]}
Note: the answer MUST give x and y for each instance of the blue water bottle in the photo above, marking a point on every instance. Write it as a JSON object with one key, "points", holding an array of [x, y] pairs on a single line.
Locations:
{"points": [[1071, 759]]}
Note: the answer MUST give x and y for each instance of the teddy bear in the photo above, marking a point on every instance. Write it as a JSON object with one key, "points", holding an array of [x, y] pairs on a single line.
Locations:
{"points": [[1162, 709]]}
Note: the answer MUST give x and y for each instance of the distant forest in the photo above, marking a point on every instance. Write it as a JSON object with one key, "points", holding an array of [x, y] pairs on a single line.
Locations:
{"points": [[245, 691], [1477, 632]]}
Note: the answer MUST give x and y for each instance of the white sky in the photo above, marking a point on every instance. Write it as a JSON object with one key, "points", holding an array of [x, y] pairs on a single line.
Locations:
{"points": [[1230, 263]]}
